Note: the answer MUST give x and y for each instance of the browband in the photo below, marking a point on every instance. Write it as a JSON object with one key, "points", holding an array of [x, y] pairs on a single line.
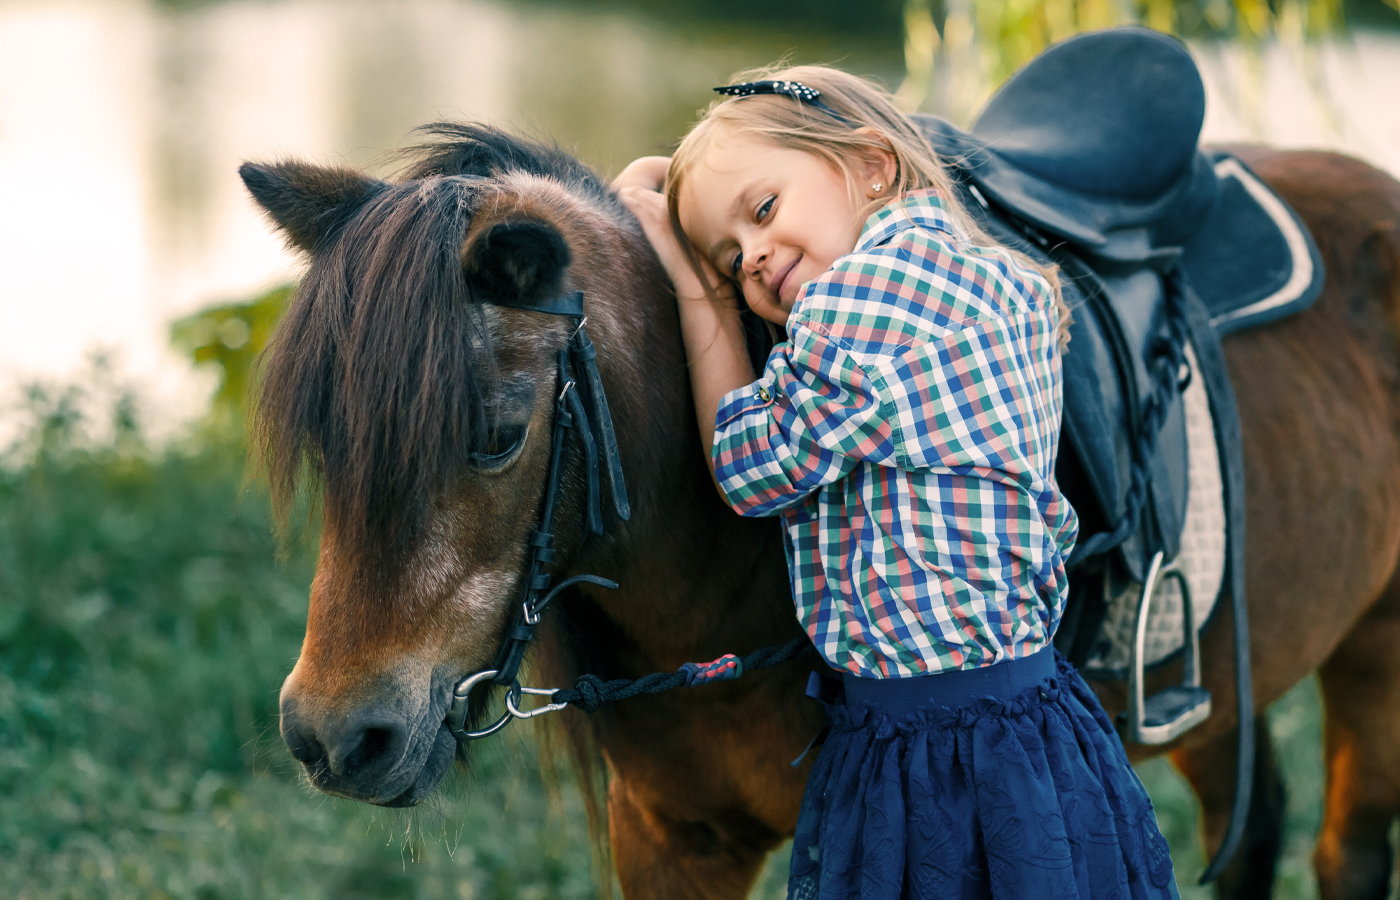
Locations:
{"points": [[570, 304]]}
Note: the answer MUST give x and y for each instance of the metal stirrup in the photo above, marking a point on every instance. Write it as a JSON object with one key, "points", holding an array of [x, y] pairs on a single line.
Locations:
{"points": [[1165, 715]]}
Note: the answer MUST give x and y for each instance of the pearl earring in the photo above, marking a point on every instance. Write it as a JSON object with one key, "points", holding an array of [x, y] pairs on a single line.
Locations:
{"points": [[877, 187]]}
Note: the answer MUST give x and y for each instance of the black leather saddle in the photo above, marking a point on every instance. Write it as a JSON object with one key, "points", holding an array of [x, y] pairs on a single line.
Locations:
{"points": [[1089, 157]]}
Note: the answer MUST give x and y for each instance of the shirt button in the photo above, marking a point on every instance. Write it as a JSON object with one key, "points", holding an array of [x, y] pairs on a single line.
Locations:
{"points": [[764, 394]]}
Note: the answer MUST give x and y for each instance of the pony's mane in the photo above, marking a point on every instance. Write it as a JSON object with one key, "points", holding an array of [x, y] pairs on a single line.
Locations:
{"points": [[375, 386]]}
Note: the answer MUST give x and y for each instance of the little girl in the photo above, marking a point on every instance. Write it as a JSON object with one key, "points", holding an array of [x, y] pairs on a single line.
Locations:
{"points": [[906, 433]]}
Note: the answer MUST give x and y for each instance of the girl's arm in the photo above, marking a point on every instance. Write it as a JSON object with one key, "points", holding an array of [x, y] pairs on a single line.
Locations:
{"points": [[712, 332]]}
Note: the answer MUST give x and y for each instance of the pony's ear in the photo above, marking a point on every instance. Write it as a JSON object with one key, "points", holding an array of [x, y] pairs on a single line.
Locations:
{"points": [[524, 259], [309, 203]]}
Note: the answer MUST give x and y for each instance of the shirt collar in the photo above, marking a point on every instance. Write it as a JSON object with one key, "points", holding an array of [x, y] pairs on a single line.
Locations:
{"points": [[924, 208]]}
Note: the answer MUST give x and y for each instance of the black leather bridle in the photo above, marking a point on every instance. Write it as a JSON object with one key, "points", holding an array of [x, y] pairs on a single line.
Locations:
{"points": [[580, 406]]}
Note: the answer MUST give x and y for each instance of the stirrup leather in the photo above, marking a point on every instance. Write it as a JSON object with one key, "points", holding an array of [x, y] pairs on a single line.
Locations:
{"points": [[1171, 712]]}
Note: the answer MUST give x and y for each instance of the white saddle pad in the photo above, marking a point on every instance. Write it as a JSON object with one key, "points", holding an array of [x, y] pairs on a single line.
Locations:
{"points": [[1202, 557]]}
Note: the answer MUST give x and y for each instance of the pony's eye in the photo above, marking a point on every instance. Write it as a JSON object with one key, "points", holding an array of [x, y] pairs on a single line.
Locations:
{"points": [[501, 447]]}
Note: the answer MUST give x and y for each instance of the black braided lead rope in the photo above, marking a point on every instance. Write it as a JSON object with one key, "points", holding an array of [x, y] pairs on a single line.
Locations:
{"points": [[1168, 357], [591, 692]]}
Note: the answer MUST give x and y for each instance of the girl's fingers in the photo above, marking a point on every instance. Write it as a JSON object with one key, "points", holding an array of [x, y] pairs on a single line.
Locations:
{"points": [[648, 173], [643, 202], [639, 187]]}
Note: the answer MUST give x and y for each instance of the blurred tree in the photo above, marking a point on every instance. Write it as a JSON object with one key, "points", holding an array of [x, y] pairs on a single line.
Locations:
{"points": [[872, 17], [958, 51], [230, 336]]}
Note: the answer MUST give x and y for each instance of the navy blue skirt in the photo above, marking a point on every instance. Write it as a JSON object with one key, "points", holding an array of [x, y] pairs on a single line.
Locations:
{"points": [[1003, 782]]}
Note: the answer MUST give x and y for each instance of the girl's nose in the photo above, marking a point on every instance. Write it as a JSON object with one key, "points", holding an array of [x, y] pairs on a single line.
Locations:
{"points": [[754, 259]]}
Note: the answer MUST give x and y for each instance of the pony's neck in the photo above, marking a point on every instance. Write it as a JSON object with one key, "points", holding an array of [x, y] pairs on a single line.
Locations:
{"points": [[694, 577]]}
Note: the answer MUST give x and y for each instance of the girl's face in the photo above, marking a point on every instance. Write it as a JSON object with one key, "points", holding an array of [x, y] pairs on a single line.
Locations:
{"points": [[771, 218]]}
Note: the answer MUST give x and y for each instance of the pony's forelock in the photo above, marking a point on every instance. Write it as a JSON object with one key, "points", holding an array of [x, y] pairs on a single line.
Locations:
{"points": [[374, 383], [375, 386]]}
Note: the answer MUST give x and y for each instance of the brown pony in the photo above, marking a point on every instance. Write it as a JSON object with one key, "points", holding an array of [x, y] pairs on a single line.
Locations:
{"points": [[422, 410]]}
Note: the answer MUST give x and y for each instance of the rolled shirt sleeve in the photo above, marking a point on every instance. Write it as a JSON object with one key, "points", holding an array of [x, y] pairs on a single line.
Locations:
{"points": [[813, 415]]}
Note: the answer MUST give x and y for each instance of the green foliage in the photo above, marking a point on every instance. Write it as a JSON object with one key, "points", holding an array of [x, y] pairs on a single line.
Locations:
{"points": [[230, 336], [145, 626], [957, 51]]}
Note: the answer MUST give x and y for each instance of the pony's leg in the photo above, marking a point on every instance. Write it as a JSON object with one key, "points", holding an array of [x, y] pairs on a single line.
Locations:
{"points": [[1210, 768], [1361, 697], [660, 854]]}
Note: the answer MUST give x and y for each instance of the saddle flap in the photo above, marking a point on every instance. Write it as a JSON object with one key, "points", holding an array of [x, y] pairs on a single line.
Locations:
{"points": [[1105, 381], [1252, 260]]}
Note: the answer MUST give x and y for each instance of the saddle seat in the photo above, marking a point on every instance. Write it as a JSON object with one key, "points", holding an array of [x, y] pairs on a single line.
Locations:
{"points": [[1117, 119], [1095, 141]]}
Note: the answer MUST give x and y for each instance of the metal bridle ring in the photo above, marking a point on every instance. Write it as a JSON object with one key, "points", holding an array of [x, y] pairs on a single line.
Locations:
{"points": [[456, 720]]}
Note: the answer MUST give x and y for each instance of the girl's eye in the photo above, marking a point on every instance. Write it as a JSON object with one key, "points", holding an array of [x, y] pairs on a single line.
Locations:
{"points": [[764, 209], [736, 266]]}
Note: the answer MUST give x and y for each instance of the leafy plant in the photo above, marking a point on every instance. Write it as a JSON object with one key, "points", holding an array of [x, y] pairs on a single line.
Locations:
{"points": [[145, 626], [230, 336]]}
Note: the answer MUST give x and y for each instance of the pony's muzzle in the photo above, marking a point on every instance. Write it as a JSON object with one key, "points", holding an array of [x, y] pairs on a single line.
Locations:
{"points": [[349, 755]]}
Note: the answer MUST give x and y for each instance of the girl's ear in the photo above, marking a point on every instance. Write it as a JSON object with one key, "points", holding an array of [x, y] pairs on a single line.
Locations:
{"points": [[878, 165]]}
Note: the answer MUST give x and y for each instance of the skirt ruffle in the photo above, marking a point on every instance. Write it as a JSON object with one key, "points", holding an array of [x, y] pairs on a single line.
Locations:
{"points": [[1027, 798]]}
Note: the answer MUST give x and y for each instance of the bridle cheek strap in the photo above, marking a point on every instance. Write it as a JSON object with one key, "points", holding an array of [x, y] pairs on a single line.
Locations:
{"points": [[581, 406], [585, 356]]}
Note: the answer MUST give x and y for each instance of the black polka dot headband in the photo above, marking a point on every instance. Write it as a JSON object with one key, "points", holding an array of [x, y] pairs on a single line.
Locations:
{"points": [[794, 89]]}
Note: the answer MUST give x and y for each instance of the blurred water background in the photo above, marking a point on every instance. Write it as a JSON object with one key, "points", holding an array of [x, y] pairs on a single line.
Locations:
{"points": [[146, 620]]}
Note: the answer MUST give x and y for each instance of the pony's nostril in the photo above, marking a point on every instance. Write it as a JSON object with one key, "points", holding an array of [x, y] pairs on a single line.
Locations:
{"points": [[353, 751], [374, 752], [308, 751], [300, 739]]}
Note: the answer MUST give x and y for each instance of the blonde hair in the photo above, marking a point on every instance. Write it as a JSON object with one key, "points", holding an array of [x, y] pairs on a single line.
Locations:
{"points": [[873, 125]]}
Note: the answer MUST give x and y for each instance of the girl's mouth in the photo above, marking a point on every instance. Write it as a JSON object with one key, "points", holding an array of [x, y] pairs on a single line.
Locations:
{"points": [[782, 279]]}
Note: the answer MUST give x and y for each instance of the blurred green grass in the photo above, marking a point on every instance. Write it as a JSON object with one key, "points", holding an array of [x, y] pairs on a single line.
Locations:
{"points": [[146, 623]]}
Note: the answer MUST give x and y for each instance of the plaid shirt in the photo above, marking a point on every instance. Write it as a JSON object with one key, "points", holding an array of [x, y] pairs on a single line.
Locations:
{"points": [[906, 432]]}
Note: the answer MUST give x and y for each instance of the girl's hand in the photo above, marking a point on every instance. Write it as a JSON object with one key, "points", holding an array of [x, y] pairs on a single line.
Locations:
{"points": [[713, 334], [640, 187]]}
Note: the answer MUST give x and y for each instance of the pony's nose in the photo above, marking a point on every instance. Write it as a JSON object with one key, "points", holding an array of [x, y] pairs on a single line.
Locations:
{"points": [[358, 749], [367, 750]]}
